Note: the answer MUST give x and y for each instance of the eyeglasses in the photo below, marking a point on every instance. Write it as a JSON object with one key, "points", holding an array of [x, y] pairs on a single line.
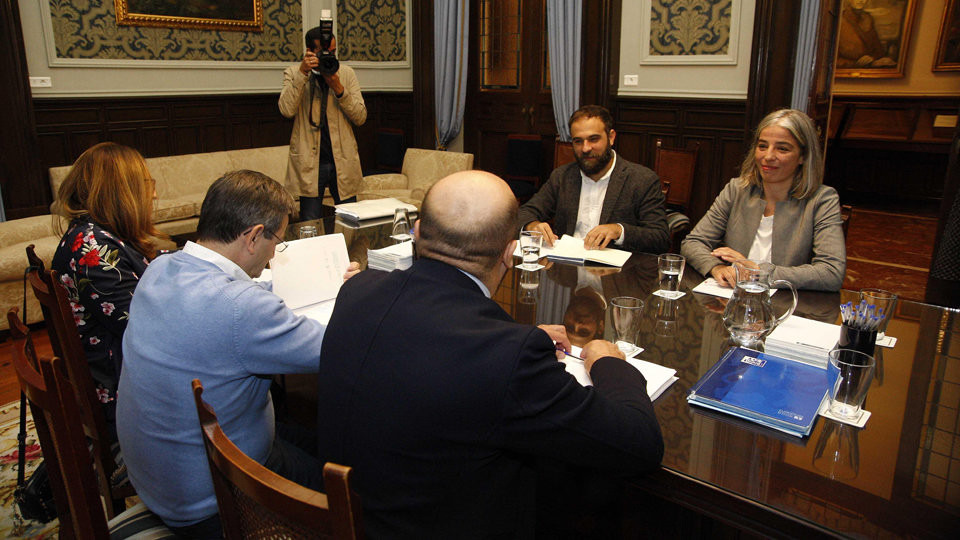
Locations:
{"points": [[281, 245]]}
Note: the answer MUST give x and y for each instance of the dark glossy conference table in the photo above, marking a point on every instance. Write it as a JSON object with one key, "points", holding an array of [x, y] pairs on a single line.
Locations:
{"points": [[897, 477]]}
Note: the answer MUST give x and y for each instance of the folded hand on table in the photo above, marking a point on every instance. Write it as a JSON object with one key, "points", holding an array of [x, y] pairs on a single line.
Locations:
{"points": [[601, 235], [352, 270], [725, 275], [558, 334], [597, 349]]}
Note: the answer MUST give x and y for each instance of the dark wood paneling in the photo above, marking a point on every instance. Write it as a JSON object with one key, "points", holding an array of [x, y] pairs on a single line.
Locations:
{"points": [[172, 125], [424, 131], [716, 124], [775, 29], [19, 170]]}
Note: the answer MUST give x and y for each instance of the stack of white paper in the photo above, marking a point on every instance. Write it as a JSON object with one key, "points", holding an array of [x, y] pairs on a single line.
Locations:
{"points": [[658, 377], [803, 340], [395, 257], [372, 208]]}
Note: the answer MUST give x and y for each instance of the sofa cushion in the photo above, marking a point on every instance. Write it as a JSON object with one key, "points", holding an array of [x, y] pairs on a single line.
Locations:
{"points": [[179, 208], [191, 174], [13, 258], [16, 231], [380, 182]]}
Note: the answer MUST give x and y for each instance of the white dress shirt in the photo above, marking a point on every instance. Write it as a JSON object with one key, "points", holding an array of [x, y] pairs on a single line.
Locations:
{"points": [[592, 194], [763, 241], [225, 264]]}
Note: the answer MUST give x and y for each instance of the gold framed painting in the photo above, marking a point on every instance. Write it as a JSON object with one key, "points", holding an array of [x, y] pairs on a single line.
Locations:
{"points": [[235, 15], [874, 38], [947, 57]]}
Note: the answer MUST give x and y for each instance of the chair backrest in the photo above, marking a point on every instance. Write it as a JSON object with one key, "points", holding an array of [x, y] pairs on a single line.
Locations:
{"points": [[65, 341], [677, 169], [846, 212], [57, 420], [255, 502], [390, 149], [424, 167], [33, 259], [562, 153]]}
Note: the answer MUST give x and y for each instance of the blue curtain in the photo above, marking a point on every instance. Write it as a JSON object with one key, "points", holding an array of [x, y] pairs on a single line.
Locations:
{"points": [[450, 39], [563, 36]]}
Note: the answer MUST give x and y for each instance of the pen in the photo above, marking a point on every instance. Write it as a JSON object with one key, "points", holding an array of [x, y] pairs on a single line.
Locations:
{"points": [[575, 357]]}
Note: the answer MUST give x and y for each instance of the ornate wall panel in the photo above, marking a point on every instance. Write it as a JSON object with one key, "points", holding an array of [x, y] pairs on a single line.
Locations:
{"points": [[89, 30], [372, 30], [690, 27]]}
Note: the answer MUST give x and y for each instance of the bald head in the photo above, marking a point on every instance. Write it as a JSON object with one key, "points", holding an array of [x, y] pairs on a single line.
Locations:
{"points": [[467, 220]]}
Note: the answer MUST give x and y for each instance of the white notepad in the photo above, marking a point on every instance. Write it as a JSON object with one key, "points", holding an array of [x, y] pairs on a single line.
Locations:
{"points": [[372, 208], [658, 377], [570, 250]]}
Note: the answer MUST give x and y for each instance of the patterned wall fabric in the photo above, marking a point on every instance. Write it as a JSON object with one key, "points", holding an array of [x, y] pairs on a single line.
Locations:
{"points": [[88, 29], [689, 27], [372, 30]]}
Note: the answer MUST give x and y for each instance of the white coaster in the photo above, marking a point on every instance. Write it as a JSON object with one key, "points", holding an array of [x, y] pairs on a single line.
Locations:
{"points": [[886, 341], [628, 350], [669, 295], [530, 268], [859, 422]]}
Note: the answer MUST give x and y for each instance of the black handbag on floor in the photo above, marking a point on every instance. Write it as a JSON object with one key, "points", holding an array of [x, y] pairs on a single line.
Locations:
{"points": [[34, 497]]}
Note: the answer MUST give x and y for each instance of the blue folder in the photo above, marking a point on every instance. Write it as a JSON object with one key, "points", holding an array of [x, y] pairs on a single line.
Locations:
{"points": [[772, 391]]}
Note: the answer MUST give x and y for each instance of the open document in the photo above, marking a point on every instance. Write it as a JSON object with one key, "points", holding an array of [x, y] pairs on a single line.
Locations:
{"points": [[658, 377], [570, 250], [308, 274]]}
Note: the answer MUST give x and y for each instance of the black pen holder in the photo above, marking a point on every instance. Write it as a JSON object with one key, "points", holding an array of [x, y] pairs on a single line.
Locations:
{"points": [[864, 341]]}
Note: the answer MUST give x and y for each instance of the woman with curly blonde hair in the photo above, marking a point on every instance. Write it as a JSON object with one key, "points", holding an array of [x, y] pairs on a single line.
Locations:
{"points": [[108, 199], [778, 211]]}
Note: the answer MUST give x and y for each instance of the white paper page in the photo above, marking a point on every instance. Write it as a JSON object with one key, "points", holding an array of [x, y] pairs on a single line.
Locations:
{"points": [[806, 332], [310, 270], [319, 312], [658, 377], [711, 287]]}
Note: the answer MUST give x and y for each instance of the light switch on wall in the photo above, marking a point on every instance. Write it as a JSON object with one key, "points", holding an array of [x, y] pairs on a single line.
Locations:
{"points": [[631, 80], [41, 82]]}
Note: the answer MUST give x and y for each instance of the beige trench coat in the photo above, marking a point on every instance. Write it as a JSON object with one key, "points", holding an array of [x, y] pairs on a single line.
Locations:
{"points": [[304, 159]]}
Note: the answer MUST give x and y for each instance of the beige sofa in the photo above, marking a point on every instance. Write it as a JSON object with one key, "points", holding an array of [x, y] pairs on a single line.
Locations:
{"points": [[182, 182], [421, 168]]}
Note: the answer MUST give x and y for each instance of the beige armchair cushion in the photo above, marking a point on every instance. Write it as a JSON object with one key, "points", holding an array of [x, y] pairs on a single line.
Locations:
{"points": [[424, 167], [421, 169]]}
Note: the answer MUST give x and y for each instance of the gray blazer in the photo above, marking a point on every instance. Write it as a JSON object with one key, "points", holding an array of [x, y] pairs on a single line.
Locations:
{"points": [[633, 199], [808, 247]]}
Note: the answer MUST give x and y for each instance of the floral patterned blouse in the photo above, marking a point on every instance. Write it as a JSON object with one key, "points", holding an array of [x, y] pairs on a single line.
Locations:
{"points": [[100, 272]]}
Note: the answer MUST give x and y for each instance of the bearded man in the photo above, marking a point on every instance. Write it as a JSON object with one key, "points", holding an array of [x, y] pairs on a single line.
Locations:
{"points": [[602, 198]]}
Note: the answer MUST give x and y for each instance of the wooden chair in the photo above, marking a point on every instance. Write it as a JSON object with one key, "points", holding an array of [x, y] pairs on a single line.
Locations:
{"points": [[255, 502], [522, 170], [677, 169], [846, 212], [52, 400], [65, 341], [562, 153]]}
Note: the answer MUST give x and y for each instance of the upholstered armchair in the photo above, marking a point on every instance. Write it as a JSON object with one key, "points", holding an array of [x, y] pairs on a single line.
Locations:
{"points": [[421, 168]]}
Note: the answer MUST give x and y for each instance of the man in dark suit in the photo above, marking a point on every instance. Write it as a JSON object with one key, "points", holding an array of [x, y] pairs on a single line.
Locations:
{"points": [[441, 402], [601, 198]]}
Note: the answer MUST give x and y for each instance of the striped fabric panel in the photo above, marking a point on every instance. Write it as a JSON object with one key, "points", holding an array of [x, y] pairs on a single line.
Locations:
{"points": [[138, 522]]}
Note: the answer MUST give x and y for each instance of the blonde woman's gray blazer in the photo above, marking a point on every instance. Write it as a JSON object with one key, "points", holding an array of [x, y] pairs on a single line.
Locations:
{"points": [[808, 248]]}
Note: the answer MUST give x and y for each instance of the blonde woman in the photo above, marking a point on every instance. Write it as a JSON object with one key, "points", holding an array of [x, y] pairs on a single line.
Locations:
{"points": [[107, 197], [777, 211]]}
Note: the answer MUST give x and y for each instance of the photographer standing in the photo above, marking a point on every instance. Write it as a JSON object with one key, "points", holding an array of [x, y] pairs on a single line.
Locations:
{"points": [[323, 97]]}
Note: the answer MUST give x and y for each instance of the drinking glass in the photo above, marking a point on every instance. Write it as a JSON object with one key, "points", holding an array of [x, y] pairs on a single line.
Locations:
{"points": [[837, 452], [307, 231], [670, 270], [627, 315], [885, 302], [529, 284], [401, 226], [851, 372], [530, 242]]}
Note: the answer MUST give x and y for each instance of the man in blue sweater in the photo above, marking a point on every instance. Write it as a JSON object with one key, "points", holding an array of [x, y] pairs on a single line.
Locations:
{"points": [[198, 314]]}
